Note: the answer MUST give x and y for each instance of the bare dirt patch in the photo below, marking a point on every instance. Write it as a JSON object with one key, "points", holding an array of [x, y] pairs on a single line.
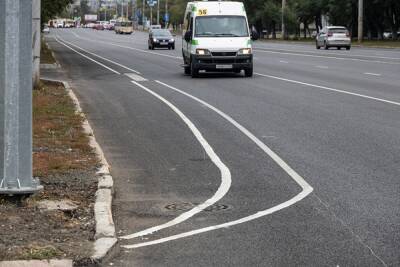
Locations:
{"points": [[66, 166]]}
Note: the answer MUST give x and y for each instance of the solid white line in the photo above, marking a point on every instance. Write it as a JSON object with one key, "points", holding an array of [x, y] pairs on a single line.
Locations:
{"points": [[225, 172], [258, 215], [373, 74], [306, 188], [329, 89], [131, 48], [91, 59], [106, 59], [330, 57], [325, 53]]}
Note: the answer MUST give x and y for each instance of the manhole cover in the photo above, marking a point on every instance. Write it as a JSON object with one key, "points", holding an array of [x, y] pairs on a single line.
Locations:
{"points": [[189, 206]]}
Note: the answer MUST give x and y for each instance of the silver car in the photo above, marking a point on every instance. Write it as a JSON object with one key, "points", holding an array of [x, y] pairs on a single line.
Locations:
{"points": [[333, 36]]}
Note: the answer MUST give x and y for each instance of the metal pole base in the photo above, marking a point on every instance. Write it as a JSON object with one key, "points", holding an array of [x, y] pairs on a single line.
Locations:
{"points": [[20, 190]]}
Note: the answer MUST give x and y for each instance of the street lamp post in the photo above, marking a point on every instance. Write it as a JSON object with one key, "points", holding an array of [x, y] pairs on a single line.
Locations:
{"points": [[283, 19], [158, 12], [360, 20], [143, 19]]}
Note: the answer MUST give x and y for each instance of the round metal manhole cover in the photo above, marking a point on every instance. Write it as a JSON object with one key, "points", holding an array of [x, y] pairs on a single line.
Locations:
{"points": [[189, 206]]}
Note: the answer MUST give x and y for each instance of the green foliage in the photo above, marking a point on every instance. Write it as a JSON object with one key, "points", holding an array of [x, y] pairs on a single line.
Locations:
{"points": [[51, 8]]}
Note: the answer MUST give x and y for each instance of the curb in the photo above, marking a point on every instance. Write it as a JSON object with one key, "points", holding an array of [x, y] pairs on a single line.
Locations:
{"points": [[105, 237]]}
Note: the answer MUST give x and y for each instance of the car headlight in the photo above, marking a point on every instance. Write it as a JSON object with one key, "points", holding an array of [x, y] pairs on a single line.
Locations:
{"points": [[244, 51], [172, 40], [155, 40], [203, 52]]}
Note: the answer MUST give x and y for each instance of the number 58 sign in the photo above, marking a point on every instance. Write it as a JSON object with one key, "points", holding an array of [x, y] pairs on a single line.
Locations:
{"points": [[202, 12]]}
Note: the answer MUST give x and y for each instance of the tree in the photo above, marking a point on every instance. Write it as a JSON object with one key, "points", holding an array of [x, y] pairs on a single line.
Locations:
{"points": [[51, 8]]}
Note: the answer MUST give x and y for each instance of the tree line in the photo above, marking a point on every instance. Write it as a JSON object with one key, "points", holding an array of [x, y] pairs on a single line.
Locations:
{"points": [[300, 16], [379, 15]]}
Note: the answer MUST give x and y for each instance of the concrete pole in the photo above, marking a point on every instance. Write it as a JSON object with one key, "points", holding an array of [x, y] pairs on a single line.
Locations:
{"points": [[151, 15], [16, 98], [283, 20], [143, 19], [158, 12], [166, 12], [360, 20], [36, 30]]}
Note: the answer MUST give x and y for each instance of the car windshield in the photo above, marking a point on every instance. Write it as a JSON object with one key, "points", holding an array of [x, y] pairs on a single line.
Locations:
{"points": [[221, 26], [162, 33], [126, 23]]}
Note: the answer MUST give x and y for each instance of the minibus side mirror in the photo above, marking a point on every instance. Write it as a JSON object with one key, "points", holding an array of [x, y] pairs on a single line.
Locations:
{"points": [[254, 35], [188, 36]]}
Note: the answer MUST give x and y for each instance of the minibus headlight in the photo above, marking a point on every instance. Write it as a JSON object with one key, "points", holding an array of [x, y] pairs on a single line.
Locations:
{"points": [[203, 52], [155, 40], [244, 51]]}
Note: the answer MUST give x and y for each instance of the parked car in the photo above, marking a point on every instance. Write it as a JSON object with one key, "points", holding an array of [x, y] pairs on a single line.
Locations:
{"points": [[161, 38], [46, 29], [333, 36]]}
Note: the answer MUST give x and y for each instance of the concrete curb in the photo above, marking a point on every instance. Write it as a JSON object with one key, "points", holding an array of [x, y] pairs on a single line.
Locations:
{"points": [[105, 236], [37, 263]]}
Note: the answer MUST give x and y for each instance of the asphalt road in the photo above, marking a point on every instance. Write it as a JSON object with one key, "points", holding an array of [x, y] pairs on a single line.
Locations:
{"points": [[297, 166]]}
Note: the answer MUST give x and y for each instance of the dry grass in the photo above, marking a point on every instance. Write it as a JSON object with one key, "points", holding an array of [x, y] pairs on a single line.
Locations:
{"points": [[60, 145], [45, 54]]}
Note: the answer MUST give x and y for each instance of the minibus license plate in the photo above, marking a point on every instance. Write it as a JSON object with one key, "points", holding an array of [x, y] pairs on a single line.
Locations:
{"points": [[223, 66]]}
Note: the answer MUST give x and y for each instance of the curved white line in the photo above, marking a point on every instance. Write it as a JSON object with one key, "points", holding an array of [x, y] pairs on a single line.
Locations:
{"points": [[259, 214], [306, 188], [225, 173]]}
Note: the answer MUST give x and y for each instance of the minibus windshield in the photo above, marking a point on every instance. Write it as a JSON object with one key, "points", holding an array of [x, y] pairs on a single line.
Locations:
{"points": [[221, 26]]}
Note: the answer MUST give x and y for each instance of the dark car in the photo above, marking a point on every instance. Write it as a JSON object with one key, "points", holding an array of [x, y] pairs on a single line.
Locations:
{"points": [[161, 38]]}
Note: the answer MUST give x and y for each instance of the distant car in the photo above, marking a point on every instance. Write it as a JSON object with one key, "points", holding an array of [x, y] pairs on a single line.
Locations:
{"points": [[155, 27], [161, 38], [98, 27], [333, 36], [60, 25], [46, 30]]}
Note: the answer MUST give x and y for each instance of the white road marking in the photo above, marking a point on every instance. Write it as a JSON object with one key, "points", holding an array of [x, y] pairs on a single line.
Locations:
{"points": [[91, 59], [306, 188], [373, 74], [135, 77], [327, 53], [282, 61], [131, 48], [322, 67], [329, 89], [106, 59], [225, 172], [330, 57]]}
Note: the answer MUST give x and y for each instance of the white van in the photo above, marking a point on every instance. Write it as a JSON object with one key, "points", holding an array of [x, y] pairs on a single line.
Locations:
{"points": [[217, 38]]}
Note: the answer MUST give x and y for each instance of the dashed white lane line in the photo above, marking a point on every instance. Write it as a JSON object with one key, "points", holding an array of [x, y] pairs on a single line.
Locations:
{"points": [[135, 77], [282, 61], [329, 89], [225, 172], [103, 58], [372, 74], [327, 53], [306, 188], [329, 57], [322, 67], [89, 58]]}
